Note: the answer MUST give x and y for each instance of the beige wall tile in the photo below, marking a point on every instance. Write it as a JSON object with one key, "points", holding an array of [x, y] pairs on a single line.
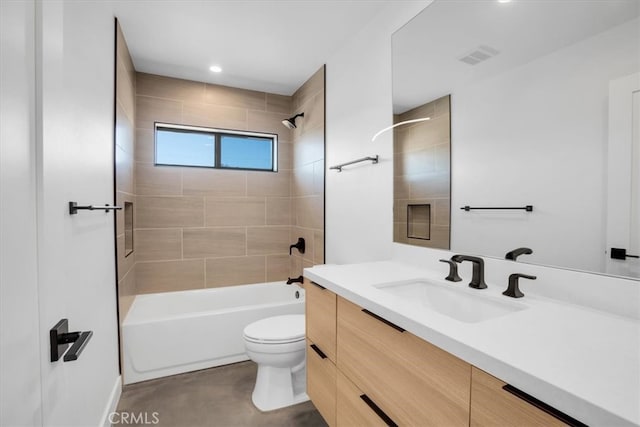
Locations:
{"points": [[214, 116], [267, 240], [169, 212], [442, 106], [214, 183], [285, 156], [125, 263], [295, 266], [318, 177], [279, 103], [150, 110], [125, 91], [123, 52], [425, 186], [213, 242], [261, 121], [310, 88], [124, 305], [278, 211], [400, 187], [277, 268], [442, 154], [169, 276], [417, 162], [234, 97], [269, 184], [441, 214], [124, 132], [127, 285], [158, 244], [313, 114], [308, 236], [124, 171], [154, 180], [234, 211], [310, 212], [424, 110], [308, 148], [318, 247], [302, 179], [145, 146], [169, 87], [120, 199], [235, 271]]}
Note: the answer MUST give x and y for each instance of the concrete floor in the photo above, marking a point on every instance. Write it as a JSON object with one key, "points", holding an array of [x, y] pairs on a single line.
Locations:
{"points": [[212, 397]]}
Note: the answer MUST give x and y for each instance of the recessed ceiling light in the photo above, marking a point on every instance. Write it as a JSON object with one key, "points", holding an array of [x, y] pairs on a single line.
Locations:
{"points": [[215, 68], [504, 1]]}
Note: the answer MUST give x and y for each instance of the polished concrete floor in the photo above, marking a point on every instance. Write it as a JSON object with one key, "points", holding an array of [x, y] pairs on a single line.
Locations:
{"points": [[212, 397]]}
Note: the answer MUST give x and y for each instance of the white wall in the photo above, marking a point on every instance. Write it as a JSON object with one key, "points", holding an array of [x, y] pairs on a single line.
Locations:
{"points": [[76, 255], [537, 134], [359, 200], [20, 386]]}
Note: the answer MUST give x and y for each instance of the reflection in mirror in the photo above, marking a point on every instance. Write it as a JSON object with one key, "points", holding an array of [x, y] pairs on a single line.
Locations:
{"points": [[422, 176], [536, 119]]}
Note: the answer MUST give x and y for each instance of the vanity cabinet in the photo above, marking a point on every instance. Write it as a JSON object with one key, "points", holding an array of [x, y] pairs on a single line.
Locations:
{"points": [[411, 381], [353, 408], [320, 306], [491, 405]]}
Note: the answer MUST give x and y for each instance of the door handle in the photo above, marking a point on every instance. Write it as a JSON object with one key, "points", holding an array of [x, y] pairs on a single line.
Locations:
{"points": [[620, 253]]}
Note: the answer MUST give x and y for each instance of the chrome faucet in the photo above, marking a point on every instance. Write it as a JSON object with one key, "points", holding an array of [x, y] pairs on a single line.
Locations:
{"points": [[477, 280]]}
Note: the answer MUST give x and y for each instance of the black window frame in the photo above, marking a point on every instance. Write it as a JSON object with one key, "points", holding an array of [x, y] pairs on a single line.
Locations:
{"points": [[217, 133]]}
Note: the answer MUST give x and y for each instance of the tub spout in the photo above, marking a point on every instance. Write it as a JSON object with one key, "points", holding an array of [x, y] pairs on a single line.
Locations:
{"points": [[298, 279]]}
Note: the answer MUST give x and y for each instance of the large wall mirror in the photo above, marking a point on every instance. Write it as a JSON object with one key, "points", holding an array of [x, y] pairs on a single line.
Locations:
{"points": [[544, 112]]}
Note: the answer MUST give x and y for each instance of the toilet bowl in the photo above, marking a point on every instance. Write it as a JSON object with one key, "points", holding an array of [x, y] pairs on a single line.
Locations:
{"points": [[277, 345]]}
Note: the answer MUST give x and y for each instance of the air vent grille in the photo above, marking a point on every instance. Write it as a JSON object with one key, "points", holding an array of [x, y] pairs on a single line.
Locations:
{"points": [[479, 54]]}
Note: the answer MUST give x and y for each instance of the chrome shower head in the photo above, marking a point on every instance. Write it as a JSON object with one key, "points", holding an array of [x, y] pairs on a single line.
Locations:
{"points": [[291, 122]]}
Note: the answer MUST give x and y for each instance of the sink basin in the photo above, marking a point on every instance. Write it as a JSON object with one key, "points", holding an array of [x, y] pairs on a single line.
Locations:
{"points": [[454, 303]]}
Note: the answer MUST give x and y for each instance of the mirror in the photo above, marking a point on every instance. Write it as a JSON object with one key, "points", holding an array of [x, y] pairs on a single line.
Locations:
{"points": [[531, 87]]}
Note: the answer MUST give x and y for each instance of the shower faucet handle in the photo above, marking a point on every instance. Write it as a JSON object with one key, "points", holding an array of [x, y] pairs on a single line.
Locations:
{"points": [[299, 245]]}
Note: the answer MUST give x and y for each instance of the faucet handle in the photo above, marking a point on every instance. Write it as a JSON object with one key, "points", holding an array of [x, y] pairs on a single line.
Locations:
{"points": [[453, 271], [513, 290]]}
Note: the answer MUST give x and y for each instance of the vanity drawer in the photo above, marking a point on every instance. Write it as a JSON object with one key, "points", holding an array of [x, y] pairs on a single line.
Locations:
{"points": [[412, 381], [320, 309], [321, 382], [353, 409], [491, 405]]}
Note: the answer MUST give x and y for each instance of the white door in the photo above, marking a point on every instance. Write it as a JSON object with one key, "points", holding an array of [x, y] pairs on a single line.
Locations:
{"points": [[71, 82], [623, 207]]}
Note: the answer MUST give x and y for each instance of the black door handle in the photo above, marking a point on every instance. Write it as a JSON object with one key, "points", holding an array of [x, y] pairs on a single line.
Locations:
{"points": [[620, 253]]}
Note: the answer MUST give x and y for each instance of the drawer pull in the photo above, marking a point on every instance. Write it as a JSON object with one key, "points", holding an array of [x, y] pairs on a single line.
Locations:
{"points": [[320, 286], [385, 321], [543, 406], [317, 350], [379, 412]]}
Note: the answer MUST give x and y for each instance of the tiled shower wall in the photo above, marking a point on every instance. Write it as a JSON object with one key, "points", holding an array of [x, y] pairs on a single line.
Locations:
{"points": [[199, 227], [422, 173], [308, 173], [124, 167]]}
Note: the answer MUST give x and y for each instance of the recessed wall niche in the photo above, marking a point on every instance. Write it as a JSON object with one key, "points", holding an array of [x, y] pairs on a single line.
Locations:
{"points": [[128, 228], [422, 176]]}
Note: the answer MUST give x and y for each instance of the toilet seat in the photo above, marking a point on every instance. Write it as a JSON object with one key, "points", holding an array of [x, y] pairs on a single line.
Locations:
{"points": [[276, 330]]}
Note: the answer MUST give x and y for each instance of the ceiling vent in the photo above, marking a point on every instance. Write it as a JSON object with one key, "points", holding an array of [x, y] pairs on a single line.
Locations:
{"points": [[478, 55]]}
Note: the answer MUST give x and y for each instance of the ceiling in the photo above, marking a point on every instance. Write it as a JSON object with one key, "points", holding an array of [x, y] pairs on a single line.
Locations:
{"points": [[266, 45], [427, 51]]}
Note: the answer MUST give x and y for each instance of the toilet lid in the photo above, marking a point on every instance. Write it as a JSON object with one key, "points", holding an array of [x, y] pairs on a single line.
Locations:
{"points": [[278, 329]]}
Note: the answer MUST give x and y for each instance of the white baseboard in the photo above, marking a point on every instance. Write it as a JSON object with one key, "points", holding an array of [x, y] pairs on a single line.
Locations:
{"points": [[112, 404]]}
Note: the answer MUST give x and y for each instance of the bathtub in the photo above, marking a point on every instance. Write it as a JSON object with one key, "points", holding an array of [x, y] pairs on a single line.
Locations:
{"points": [[174, 332]]}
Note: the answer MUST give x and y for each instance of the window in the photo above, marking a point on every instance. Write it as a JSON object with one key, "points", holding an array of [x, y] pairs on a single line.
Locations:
{"points": [[178, 145]]}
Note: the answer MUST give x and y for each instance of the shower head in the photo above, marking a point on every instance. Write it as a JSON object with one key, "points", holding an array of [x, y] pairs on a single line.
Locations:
{"points": [[291, 122]]}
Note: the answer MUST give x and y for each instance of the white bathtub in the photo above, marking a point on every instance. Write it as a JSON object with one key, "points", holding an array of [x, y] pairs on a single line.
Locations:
{"points": [[174, 332]]}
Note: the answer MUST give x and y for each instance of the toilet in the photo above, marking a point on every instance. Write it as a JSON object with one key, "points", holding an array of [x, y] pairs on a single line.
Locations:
{"points": [[277, 345]]}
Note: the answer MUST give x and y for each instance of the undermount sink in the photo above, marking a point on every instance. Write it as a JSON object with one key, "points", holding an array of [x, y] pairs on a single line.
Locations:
{"points": [[454, 303]]}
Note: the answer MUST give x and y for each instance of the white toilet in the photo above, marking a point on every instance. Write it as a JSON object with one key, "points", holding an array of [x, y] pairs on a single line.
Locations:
{"points": [[277, 345]]}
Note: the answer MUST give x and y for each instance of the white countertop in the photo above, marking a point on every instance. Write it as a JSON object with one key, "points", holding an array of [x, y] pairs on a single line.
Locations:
{"points": [[581, 361]]}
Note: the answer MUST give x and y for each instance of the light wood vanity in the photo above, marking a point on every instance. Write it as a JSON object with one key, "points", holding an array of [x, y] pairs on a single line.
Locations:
{"points": [[365, 371]]}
